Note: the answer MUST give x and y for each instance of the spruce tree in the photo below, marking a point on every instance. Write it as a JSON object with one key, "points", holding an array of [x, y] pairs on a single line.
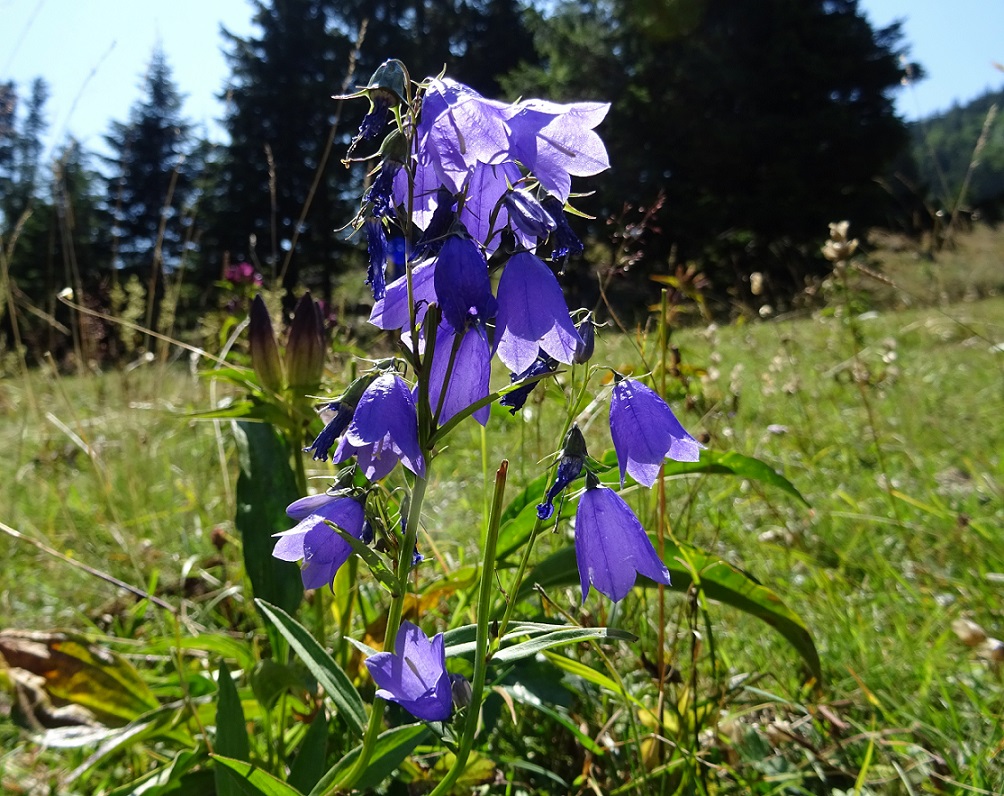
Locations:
{"points": [[150, 181]]}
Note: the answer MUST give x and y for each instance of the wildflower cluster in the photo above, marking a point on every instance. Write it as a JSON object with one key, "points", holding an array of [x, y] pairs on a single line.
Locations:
{"points": [[473, 192]]}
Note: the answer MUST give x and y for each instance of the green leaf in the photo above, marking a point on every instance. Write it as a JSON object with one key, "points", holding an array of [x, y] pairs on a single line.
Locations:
{"points": [[329, 674], [231, 733], [390, 750], [270, 680], [718, 579], [725, 463], [370, 557], [254, 781], [461, 640], [265, 487], [308, 766], [559, 638]]}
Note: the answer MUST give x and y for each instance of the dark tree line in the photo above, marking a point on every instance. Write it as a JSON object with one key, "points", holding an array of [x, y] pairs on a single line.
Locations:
{"points": [[746, 126]]}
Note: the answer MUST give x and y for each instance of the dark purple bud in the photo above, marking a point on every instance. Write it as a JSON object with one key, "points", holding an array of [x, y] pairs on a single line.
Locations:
{"points": [[264, 348], [514, 400], [566, 242], [527, 214], [573, 459], [587, 336], [377, 248], [305, 347]]}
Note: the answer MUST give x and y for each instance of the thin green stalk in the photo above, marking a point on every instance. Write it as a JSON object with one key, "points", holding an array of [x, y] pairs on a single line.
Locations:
{"points": [[483, 633], [394, 613]]}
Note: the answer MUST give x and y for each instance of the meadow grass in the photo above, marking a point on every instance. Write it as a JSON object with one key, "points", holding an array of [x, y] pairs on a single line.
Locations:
{"points": [[888, 423]]}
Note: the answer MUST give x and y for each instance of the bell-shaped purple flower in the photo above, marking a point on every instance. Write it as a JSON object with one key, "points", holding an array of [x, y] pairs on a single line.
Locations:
{"points": [[459, 128], [557, 141], [384, 430], [468, 382], [316, 543], [528, 215], [532, 315], [611, 546], [392, 311], [462, 285], [334, 428], [414, 675], [645, 431]]}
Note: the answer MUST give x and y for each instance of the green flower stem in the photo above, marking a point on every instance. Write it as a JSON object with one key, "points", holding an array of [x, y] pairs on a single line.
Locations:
{"points": [[394, 613], [538, 523], [482, 638]]}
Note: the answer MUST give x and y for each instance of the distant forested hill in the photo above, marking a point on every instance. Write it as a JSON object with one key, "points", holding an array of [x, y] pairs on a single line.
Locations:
{"points": [[943, 147]]}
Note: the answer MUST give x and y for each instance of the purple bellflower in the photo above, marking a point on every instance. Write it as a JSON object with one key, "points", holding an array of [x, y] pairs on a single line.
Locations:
{"points": [[459, 129], [469, 377], [573, 459], [384, 430], [528, 215], [645, 431], [611, 546], [556, 141], [414, 676], [392, 311], [316, 543], [462, 285], [334, 428], [532, 315]]}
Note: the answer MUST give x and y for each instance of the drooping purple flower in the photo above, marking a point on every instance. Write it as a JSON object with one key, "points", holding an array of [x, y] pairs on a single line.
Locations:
{"points": [[377, 247], [573, 459], [414, 675], [314, 542], [566, 242], [556, 141], [645, 431], [532, 315], [459, 128], [611, 546], [514, 400], [380, 195], [462, 285], [469, 378], [384, 430], [392, 311]]}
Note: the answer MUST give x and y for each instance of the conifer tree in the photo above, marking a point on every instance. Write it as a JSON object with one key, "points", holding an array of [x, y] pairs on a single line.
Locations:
{"points": [[150, 181]]}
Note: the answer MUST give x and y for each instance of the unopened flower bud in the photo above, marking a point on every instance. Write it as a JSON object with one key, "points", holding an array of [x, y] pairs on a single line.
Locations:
{"points": [[305, 348], [264, 348], [587, 337], [528, 215], [460, 687]]}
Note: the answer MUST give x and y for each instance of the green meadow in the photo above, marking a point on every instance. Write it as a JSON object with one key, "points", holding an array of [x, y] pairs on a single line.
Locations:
{"points": [[881, 404]]}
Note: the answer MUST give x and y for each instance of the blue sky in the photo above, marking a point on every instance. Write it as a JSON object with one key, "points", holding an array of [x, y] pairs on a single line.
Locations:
{"points": [[94, 53]]}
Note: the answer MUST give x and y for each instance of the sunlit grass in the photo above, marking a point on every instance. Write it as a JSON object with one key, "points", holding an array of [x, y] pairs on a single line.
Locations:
{"points": [[888, 423]]}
